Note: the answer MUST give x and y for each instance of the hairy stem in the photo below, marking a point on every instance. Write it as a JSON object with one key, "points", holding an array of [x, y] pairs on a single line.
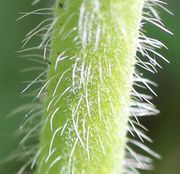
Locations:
{"points": [[90, 76]]}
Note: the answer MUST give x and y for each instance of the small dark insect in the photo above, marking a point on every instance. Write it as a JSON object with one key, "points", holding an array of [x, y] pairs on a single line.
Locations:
{"points": [[61, 5], [49, 63]]}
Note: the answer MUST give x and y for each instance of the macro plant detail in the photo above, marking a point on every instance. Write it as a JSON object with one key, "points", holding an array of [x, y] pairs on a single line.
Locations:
{"points": [[87, 89]]}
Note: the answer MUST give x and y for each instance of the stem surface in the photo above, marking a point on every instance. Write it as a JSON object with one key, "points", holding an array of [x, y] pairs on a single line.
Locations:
{"points": [[90, 76]]}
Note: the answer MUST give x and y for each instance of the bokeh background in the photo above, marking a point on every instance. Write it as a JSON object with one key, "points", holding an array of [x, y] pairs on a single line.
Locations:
{"points": [[164, 128]]}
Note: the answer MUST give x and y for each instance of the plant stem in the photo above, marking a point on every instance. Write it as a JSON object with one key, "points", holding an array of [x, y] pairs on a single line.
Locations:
{"points": [[90, 76]]}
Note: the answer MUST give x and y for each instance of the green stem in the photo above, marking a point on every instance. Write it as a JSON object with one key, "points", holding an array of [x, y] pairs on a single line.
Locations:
{"points": [[93, 47]]}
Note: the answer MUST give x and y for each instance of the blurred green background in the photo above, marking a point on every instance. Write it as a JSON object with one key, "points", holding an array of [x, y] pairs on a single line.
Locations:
{"points": [[164, 128]]}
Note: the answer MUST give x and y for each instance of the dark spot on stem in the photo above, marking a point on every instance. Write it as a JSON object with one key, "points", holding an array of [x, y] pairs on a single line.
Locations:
{"points": [[61, 5]]}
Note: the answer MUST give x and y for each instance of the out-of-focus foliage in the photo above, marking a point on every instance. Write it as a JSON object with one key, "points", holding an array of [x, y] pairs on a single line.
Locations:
{"points": [[164, 128]]}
